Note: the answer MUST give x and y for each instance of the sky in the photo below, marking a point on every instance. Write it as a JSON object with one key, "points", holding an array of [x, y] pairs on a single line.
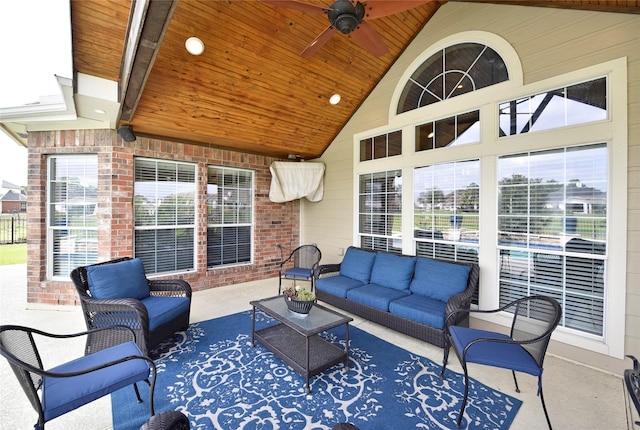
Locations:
{"points": [[35, 41]]}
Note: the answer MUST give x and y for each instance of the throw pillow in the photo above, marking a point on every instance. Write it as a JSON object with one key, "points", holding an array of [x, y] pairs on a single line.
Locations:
{"points": [[125, 279]]}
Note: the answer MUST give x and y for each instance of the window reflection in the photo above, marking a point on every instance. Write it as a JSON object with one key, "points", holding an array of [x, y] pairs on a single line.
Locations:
{"points": [[575, 104]]}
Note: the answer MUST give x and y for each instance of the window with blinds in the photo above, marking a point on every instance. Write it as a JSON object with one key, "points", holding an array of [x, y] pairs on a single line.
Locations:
{"points": [[380, 211], [446, 202], [164, 207], [552, 230], [72, 199], [229, 216]]}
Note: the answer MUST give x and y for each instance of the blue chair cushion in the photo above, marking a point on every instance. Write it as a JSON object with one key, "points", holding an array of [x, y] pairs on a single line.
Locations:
{"points": [[164, 309], [357, 264], [421, 309], [439, 280], [504, 355], [299, 272], [375, 296], [125, 279], [393, 271], [61, 395], [337, 285]]}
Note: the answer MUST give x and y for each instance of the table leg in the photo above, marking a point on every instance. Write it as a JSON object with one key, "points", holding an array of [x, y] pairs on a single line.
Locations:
{"points": [[253, 327], [307, 366], [346, 347]]}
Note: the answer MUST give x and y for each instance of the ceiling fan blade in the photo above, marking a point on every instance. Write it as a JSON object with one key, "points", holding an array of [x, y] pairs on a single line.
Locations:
{"points": [[367, 37], [379, 8], [318, 42], [297, 5]]}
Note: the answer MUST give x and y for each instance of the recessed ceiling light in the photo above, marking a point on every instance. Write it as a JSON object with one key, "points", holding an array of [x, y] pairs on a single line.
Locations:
{"points": [[194, 45], [335, 99]]}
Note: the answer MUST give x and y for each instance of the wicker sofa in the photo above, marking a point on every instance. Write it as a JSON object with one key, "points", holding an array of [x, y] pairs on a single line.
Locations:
{"points": [[409, 294]]}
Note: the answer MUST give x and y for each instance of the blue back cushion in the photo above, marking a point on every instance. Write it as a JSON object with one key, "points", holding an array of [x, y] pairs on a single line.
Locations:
{"points": [[357, 264], [125, 279], [393, 271], [439, 280]]}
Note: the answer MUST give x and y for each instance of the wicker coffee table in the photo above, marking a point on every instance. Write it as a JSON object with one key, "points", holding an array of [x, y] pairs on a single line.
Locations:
{"points": [[294, 338]]}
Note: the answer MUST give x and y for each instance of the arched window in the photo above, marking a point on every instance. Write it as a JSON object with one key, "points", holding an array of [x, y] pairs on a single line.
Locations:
{"points": [[453, 71]]}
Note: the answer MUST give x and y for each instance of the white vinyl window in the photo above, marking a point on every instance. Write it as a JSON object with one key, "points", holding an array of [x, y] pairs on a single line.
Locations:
{"points": [[380, 211], [72, 225], [164, 205], [552, 230], [229, 216]]}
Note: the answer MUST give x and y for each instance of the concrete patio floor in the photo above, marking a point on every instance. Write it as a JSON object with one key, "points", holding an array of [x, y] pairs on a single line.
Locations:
{"points": [[577, 397]]}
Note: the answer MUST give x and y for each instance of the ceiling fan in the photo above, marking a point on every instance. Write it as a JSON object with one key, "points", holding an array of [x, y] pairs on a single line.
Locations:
{"points": [[350, 17]]}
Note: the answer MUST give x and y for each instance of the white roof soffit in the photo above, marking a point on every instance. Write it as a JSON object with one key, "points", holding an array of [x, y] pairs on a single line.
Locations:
{"points": [[94, 106]]}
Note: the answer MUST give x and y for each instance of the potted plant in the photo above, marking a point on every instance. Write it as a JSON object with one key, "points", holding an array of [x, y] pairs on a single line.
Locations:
{"points": [[299, 299]]}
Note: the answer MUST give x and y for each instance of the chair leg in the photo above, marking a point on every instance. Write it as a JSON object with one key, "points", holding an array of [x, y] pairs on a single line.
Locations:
{"points": [[466, 396], [516, 381], [135, 388], [544, 406], [444, 361]]}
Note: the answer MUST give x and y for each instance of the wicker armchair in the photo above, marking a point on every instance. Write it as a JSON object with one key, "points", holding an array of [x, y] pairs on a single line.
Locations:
{"points": [[57, 390], [151, 319]]}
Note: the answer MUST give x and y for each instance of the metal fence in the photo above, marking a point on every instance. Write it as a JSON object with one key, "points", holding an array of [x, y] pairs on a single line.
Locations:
{"points": [[13, 228]]}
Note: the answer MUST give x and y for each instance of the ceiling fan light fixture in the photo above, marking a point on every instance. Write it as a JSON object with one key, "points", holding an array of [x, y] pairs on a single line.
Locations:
{"points": [[194, 45], [345, 16]]}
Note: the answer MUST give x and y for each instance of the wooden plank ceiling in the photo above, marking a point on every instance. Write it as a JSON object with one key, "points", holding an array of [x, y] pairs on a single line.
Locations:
{"points": [[250, 91]]}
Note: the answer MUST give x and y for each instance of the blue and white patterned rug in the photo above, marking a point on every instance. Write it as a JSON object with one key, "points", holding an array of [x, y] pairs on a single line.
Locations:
{"points": [[214, 376]]}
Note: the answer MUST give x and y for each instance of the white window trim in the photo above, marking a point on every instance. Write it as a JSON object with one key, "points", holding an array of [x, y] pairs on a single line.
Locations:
{"points": [[612, 131], [49, 230], [253, 217], [196, 202]]}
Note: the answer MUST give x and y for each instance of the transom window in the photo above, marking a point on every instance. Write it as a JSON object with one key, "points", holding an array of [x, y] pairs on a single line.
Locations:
{"points": [[455, 130], [229, 216], [451, 72], [384, 145], [164, 207], [561, 107], [72, 200]]}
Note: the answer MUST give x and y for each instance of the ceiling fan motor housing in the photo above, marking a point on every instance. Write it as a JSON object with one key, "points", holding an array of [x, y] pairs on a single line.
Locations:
{"points": [[346, 16]]}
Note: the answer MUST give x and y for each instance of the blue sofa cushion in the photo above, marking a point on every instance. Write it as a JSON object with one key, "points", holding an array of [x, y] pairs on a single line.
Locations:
{"points": [[392, 271], [356, 264], [61, 395], [164, 309], [421, 309], [337, 285], [125, 279], [504, 355], [375, 296], [439, 280]]}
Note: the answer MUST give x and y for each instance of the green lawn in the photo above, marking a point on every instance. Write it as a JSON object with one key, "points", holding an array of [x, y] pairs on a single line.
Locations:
{"points": [[13, 254]]}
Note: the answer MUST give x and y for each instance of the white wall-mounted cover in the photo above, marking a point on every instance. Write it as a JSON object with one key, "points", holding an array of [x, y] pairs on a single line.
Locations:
{"points": [[295, 180]]}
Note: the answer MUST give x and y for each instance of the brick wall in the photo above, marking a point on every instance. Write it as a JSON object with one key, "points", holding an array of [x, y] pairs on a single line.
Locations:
{"points": [[275, 223]]}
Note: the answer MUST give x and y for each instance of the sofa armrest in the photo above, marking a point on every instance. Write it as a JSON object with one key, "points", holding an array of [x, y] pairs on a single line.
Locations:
{"points": [[462, 301], [327, 269]]}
